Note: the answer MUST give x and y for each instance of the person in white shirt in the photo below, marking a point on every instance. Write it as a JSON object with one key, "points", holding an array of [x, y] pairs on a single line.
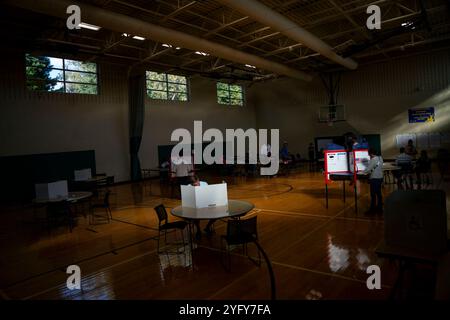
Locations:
{"points": [[375, 170], [182, 170]]}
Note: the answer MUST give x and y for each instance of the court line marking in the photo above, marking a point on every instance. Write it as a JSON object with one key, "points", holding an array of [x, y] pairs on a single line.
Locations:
{"points": [[340, 276], [335, 275], [294, 213], [300, 214], [22, 281], [294, 243], [92, 274]]}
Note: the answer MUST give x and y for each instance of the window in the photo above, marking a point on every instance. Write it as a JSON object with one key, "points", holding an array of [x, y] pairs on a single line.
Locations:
{"points": [[163, 86], [61, 75], [230, 94]]}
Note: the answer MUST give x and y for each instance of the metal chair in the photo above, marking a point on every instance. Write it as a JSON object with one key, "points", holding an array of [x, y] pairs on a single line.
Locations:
{"points": [[240, 232], [103, 205], [164, 226]]}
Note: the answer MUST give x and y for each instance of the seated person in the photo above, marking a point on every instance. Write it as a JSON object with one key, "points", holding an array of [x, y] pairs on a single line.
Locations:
{"points": [[403, 159], [195, 181], [423, 168], [410, 149]]}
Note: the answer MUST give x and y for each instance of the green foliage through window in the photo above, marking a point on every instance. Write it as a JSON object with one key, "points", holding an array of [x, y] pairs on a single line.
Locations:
{"points": [[230, 94], [61, 75], [163, 86]]}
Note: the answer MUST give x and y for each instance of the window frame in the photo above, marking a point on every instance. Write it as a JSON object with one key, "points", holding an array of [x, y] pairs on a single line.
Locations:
{"points": [[63, 71], [229, 91], [167, 84]]}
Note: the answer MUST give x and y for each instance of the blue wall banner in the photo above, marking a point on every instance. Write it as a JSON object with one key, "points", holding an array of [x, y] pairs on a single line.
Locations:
{"points": [[421, 115]]}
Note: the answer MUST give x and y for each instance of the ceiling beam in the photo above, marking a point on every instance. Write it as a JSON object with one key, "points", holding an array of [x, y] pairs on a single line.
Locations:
{"points": [[122, 23], [282, 24], [177, 11]]}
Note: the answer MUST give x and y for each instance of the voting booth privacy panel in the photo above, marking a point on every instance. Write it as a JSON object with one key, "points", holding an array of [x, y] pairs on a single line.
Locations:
{"points": [[52, 191], [359, 160], [82, 175], [336, 161], [339, 160], [213, 195]]}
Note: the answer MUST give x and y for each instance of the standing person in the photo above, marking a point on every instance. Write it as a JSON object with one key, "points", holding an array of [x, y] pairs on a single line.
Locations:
{"points": [[182, 171], [284, 152], [410, 149], [311, 153], [375, 169], [321, 159]]}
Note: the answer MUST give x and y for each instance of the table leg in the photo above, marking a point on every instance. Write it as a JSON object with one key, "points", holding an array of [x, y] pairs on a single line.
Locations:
{"points": [[398, 285], [191, 239], [343, 184]]}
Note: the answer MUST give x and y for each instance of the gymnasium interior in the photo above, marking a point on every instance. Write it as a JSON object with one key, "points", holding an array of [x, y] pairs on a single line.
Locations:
{"points": [[96, 94]]}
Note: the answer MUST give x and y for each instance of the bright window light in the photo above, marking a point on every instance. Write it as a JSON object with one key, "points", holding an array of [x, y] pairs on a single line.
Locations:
{"points": [[139, 38], [126, 34], [250, 66], [202, 53], [89, 26]]}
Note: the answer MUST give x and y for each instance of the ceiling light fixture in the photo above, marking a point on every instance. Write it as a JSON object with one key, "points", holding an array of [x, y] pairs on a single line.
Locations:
{"points": [[89, 26]]}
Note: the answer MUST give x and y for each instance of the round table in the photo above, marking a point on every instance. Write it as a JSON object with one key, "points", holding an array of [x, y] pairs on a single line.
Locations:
{"points": [[54, 205], [234, 209], [72, 197]]}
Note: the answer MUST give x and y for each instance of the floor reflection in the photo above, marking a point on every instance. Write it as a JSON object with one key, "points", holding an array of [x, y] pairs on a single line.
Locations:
{"points": [[338, 258]]}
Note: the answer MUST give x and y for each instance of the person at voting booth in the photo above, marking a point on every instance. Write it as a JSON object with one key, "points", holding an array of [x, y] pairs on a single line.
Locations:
{"points": [[375, 169]]}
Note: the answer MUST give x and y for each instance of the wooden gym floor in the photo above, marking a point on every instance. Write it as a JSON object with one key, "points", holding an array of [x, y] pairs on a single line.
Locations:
{"points": [[316, 253]]}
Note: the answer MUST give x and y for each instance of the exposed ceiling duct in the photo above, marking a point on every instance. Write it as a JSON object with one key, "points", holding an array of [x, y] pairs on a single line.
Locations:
{"points": [[265, 15], [125, 24]]}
